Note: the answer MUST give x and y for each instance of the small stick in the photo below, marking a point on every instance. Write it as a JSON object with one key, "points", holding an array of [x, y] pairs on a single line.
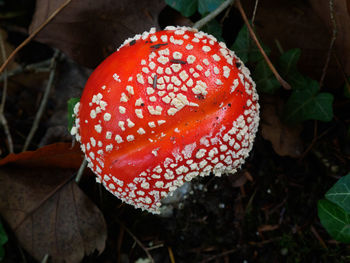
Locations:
{"points": [[254, 12], [3, 119], [334, 37], [227, 12], [279, 46], [45, 258], [33, 34], [284, 84], [81, 170], [200, 23], [225, 253], [41, 66], [43, 102], [314, 231], [136, 240], [171, 255]]}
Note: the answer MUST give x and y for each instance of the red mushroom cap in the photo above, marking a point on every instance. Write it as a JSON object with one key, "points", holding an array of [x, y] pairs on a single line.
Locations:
{"points": [[164, 108]]}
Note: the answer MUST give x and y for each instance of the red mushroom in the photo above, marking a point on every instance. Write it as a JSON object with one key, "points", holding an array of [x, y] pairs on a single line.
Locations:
{"points": [[164, 108]]}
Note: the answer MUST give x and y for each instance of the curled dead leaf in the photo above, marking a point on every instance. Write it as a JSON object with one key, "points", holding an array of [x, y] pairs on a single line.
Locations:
{"points": [[88, 31], [50, 214], [285, 139], [61, 155]]}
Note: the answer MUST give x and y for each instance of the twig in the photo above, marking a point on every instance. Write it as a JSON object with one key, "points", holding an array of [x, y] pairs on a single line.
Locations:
{"points": [[155, 247], [171, 255], [314, 139], [284, 84], [228, 252], [279, 46], [43, 102], [334, 37], [33, 34], [136, 240], [42, 66], [45, 258], [314, 231], [81, 170], [3, 100], [254, 12], [227, 12], [200, 23]]}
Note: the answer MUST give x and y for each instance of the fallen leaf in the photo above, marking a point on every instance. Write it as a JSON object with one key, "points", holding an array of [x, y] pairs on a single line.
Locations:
{"points": [[342, 18], [61, 155], [89, 30], [238, 180], [49, 214], [285, 139]]}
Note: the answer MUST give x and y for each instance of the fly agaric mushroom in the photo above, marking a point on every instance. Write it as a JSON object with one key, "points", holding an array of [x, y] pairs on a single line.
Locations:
{"points": [[164, 108]]}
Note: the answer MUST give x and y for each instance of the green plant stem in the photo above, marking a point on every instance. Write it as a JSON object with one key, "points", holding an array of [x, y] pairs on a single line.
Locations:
{"points": [[200, 23]]}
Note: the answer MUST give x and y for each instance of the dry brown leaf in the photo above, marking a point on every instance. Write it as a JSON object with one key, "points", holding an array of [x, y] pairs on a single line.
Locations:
{"points": [[342, 18], [285, 139], [50, 214], [238, 180], [61, 155], [90, 30], [296, 25]]}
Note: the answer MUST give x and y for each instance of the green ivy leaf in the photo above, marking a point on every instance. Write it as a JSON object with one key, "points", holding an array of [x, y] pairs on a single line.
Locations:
{"points": [[340, 193], [241, 46], [207, 6], [264, 78], [185, 7], [335, 220], [308, 103], [3, 241], [245, 49], [288, 61], [213, 28], [71, 103], [288, 68]]}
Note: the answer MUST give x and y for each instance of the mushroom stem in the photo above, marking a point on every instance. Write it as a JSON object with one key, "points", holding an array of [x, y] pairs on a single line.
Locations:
{"points": [[284, 83], [200, 23]]}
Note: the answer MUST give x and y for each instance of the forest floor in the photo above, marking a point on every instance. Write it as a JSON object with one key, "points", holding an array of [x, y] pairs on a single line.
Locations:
{"points": [[266, 212]]}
